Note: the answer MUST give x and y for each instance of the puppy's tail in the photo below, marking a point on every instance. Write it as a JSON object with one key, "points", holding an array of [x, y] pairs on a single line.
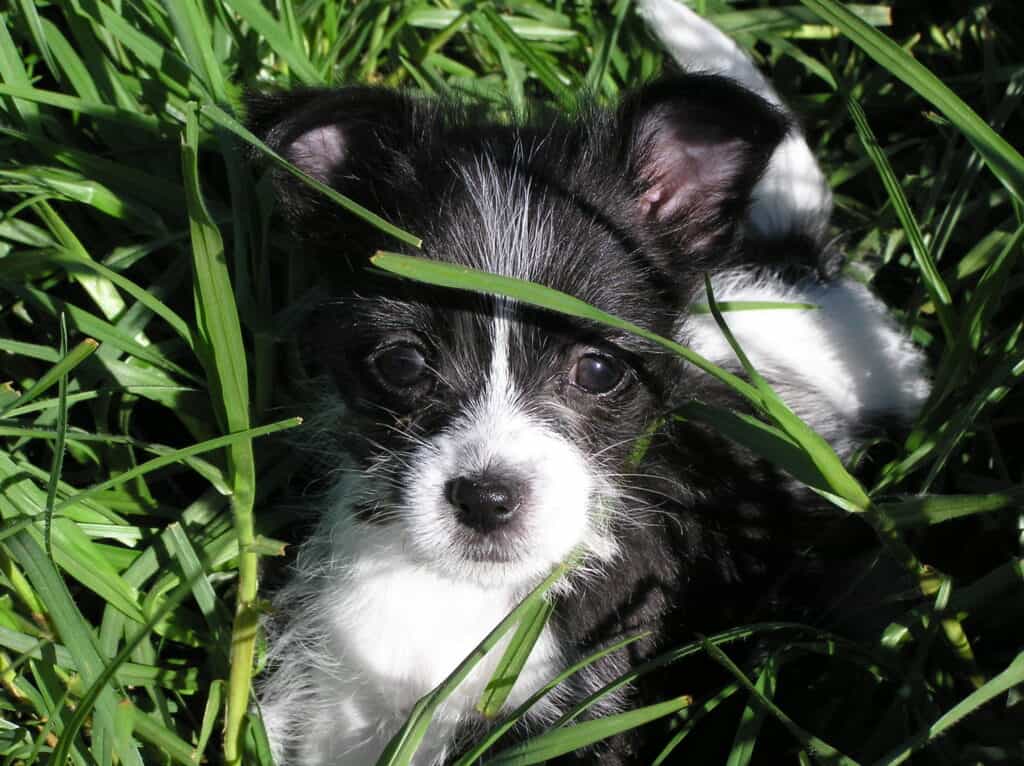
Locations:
{"points": [[792, 198]]}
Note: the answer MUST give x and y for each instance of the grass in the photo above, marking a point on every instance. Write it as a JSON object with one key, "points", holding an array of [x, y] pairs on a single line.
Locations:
{"points": [[142, 279]]}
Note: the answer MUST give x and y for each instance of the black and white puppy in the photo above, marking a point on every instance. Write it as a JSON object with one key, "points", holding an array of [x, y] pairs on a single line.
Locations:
{"points": [[479, 442]]}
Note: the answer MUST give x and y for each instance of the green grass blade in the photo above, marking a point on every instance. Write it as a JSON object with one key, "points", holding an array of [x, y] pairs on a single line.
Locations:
{"points": [[193, 33], [57, 466], [672, 656], [166, 742], [12, 71], [514, 659], [113, 114], [280, 41], [922, 511], [1012, 676], [817, 747], [764, 440], [211, 714], [1005, 162], [825, 460], [462, 278], [726, 306], [556, 742], [693, 716], [933, 281], [76, 636], [91, 696], [752, 719], [221, 118], [403, 745], [224, 359], [55, 374], [544, 71], [177, 456], [478, 750]]}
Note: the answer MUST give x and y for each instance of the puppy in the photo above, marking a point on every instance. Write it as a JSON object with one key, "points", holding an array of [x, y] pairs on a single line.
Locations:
{"points": [[477, 442]]}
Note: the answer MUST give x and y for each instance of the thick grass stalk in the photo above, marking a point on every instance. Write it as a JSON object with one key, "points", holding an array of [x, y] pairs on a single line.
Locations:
{"points": [[223, 355]]}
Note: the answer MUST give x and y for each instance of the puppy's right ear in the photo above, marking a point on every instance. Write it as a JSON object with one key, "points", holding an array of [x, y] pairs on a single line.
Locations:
{"points": [[352, 139]]}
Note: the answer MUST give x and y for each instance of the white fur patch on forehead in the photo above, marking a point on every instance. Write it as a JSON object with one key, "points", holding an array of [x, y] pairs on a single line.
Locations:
{"points": [[846, 358], [513, 234], [499, 382], [564, 494]]}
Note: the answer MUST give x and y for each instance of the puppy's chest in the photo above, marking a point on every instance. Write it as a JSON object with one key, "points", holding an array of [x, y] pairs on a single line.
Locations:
{"points": [[398, 631]]}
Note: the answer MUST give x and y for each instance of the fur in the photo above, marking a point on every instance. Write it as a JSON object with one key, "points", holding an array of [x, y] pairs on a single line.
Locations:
{"points": [[477, 442]]}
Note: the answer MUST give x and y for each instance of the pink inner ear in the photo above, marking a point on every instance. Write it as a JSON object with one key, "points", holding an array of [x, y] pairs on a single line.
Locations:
{"points": [[687, 174], [673, 175], [318, 152]]}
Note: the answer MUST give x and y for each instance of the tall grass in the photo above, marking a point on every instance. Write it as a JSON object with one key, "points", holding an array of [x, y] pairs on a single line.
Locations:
{"points": [[142, 282]]}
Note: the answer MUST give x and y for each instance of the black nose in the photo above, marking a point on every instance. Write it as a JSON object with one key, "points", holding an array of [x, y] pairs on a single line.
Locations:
{"points": [[483, 503]]}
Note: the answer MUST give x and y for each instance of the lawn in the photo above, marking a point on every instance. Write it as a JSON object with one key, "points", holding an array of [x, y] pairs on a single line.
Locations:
{"points": [[147, 393]]}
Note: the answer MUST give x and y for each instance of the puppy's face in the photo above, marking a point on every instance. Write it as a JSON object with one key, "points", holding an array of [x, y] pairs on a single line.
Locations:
{"points": [[489, 435]]}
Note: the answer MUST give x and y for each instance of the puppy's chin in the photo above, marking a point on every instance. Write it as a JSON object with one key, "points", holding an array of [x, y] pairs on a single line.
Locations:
{"points": [[500, 559]]}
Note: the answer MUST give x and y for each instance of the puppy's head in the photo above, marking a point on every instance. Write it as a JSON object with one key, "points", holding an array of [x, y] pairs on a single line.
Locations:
{"points": [[488, 435]]}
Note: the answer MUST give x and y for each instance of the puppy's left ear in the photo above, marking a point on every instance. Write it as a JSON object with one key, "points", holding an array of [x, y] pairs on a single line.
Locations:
{"points": [[695, 147]]}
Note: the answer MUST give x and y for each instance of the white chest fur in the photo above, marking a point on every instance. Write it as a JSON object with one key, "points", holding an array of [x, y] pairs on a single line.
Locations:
{"points": [[387, 632]]}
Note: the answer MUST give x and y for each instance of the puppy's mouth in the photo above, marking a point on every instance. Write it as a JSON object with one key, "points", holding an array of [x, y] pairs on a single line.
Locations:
{"points": [[499, 546]]}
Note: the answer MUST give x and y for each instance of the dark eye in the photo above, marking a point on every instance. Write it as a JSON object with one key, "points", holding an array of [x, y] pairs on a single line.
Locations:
{"points": [[401, 365], [597, 373]]}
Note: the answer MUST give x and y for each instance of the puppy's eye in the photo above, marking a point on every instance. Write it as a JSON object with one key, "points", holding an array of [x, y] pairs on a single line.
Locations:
{"points": [[401, 365], [597, 373]]}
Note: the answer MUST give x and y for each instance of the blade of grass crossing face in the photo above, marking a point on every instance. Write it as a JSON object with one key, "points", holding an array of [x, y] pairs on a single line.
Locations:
{"points": [[462, 278], [1005, 162]]}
